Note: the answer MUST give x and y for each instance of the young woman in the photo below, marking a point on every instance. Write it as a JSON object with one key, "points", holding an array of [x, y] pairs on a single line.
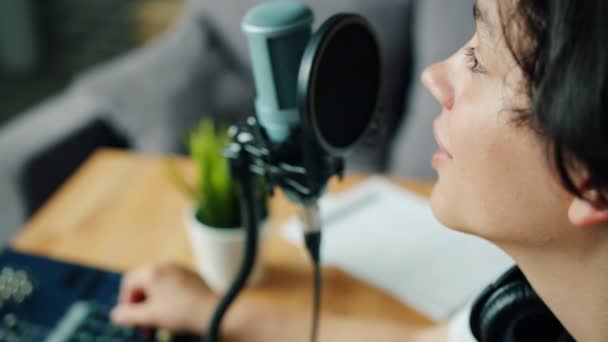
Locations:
{"points": [[523, 162]]}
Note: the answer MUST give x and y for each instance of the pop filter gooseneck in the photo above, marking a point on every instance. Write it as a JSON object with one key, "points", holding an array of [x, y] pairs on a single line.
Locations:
{"points": [[333, 91]]}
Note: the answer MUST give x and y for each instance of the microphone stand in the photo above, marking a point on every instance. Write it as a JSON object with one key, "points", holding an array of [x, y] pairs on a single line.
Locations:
{"points": [[250, 157], [246, 182]]}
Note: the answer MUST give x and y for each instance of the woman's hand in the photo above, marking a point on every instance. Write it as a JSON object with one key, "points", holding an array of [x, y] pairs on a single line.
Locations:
{"points": [[164, 296], [174, 298]]}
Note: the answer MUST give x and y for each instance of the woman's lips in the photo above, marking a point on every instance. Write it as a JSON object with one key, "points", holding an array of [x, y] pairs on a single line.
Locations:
{"points": [[442, 154], [440, 157]]}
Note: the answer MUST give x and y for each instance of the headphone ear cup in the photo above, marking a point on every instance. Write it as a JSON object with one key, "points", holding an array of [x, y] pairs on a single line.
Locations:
{"points": [[514, 312]]}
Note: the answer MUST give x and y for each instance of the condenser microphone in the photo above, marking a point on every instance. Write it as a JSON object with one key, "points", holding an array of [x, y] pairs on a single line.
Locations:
{"points": [[278, 33], [316, 94]]}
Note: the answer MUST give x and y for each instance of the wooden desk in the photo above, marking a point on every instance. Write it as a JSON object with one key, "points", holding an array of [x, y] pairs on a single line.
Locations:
{"points": [[120, 210]]}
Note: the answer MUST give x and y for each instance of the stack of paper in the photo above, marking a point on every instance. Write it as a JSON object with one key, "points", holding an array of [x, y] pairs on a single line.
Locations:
{"points": [[390, 238]]}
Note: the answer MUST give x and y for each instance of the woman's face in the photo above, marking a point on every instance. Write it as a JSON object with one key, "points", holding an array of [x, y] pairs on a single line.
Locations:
{"points": [[494, 177]]}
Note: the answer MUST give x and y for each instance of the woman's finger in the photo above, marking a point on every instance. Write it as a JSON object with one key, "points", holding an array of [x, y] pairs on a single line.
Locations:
{"points": [[134, 284], [133, 315]]}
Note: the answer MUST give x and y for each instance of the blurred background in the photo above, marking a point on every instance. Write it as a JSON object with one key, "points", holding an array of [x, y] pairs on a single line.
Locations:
{"points": [[45, 44], [77, 75]]}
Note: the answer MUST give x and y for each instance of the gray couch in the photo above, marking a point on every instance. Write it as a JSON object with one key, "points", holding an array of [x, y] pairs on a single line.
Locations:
{"points": [[153, 95]]}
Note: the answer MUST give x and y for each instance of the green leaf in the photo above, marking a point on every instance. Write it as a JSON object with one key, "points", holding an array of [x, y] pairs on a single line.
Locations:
{"points": [[218, 203]]}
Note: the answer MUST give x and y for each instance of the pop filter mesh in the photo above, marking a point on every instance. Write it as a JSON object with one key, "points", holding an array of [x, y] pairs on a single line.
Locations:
{"points": [[344, 83]]}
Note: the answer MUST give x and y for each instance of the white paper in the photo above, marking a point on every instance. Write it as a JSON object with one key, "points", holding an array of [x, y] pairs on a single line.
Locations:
{"points": [[389, 237]]}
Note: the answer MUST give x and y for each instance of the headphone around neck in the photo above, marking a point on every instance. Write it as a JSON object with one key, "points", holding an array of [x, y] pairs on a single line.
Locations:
{"points": [[509, 310]]}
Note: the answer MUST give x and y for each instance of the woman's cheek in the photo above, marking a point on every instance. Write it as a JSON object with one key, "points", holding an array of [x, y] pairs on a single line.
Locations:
{"points": [[472, 133], [477, 143]]}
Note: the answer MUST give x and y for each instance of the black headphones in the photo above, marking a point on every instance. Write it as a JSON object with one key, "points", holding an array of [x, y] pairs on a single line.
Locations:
{"points": [[509, 310]]}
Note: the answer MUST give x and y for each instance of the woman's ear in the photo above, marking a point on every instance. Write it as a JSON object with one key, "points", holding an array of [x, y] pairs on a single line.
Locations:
{"points": [[583, 213]]}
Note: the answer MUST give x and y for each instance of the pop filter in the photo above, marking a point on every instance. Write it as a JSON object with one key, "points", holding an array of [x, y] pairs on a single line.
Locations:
{"points": [[339, 83]]}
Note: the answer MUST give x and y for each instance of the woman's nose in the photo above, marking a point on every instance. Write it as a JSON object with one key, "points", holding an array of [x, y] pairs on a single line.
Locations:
{"points": [[435, 78]]}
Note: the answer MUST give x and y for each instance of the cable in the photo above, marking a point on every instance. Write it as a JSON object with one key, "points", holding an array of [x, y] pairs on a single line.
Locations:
{"points": [[247, 206], [313, 244]]}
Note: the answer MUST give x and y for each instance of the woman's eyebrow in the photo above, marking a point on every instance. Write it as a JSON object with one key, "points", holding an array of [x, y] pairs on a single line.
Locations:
{"points": [[481, 17], [477, 13]]}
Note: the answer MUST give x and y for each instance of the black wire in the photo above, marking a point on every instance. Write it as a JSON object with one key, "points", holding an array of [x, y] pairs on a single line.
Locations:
{"points": [[317, 303], [313, 244], [248, 206]]}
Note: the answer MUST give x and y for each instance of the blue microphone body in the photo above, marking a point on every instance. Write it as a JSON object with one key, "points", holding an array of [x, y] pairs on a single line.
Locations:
{"points": [[278, 32]]}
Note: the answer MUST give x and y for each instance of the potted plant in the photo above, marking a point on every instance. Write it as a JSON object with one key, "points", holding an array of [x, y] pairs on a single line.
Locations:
{"points": [[213, 223]]}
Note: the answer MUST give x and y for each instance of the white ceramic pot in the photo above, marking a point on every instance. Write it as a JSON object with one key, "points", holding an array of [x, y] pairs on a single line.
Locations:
{"points": [[218, 253]]}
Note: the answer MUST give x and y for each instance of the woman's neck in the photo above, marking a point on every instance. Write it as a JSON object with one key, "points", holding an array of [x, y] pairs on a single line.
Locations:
{"points": [[572, 279]]}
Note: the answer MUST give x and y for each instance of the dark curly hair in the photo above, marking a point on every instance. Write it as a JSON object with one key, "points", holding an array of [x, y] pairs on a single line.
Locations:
{"points": [[563, 53]]}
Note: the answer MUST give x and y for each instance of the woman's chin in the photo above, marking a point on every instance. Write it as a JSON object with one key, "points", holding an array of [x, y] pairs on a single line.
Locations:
{"points": [[451, 212], [444, 209]]}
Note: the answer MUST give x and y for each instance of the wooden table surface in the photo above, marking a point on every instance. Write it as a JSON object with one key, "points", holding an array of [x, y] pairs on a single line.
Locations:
{"points": [[121, 210]]}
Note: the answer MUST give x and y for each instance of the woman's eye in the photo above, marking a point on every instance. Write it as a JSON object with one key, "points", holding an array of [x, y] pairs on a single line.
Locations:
{"points": [[472, 61]]}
